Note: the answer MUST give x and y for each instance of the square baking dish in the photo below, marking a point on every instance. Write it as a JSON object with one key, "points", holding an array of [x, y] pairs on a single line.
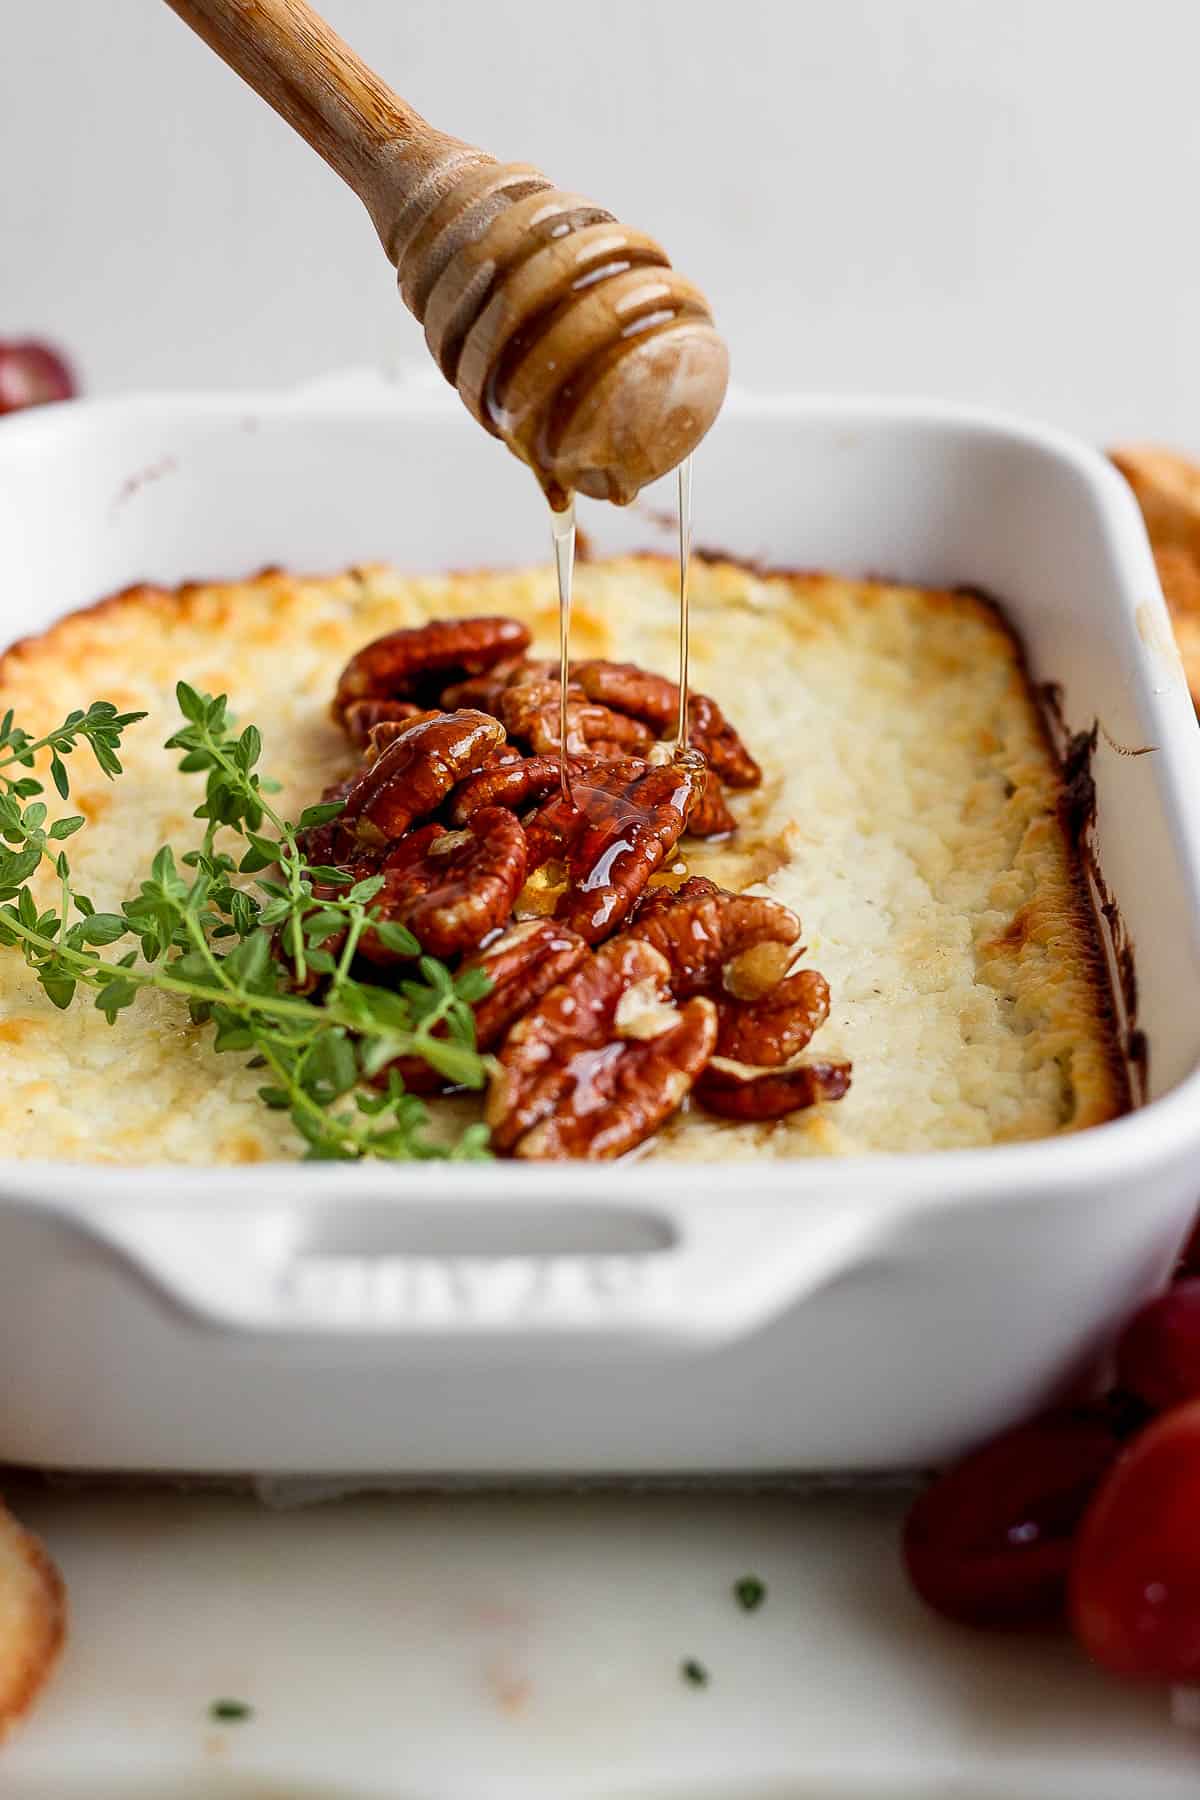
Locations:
{"points": [[510, 1321]]}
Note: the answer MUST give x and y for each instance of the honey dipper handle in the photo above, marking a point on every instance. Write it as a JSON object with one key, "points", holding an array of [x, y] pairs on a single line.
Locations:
{"points": [[377, 143], [566, 334]]}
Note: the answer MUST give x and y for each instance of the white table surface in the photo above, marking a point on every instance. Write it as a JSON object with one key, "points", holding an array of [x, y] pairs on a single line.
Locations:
{"points": [[488, 1647]]}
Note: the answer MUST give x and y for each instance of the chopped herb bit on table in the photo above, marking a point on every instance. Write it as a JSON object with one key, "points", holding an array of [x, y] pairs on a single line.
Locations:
{"points": [[694, 1673], [230, 1712], [750, 1592]]}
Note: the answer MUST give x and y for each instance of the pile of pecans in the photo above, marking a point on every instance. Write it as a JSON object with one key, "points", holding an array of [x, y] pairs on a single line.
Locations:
{"points": [[612, 996]]}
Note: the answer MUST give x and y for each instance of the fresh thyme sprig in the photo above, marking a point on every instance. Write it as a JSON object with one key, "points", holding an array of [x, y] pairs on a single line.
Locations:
{"points": [[208, 939], [100, 726]]}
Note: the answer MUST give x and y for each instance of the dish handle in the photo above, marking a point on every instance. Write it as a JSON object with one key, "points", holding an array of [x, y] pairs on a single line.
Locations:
{"points": [[695, 1269]]}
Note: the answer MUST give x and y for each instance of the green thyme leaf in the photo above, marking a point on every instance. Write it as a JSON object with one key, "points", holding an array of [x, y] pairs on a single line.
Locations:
{"points": [[750, 1592], [313, 816], [59, 990], [396, 938], [190, 705], [103, 928], [230, 1712], [249, 747], [457, 1063], [472, 985]]}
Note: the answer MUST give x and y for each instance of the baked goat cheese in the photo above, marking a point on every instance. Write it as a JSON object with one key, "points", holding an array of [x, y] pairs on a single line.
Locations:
{"points": [[909, 814]]}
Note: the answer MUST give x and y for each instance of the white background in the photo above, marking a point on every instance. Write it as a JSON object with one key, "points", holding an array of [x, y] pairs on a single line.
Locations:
{"points": [[986, 199]]}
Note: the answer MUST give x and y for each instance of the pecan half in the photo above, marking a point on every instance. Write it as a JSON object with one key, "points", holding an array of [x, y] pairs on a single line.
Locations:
{"points": [[700, 934], [414, 773], [736, 948], [656, 900], [628, 689], [710, 732], [771, 1030], [360, 717], [607, 749], [495, 758], [529, 707], [514, 783], [583, 1074], [451, 888], [509, 779], [771, 1093], [483, 691], [522, 965], [711, 817], [388, 730], [625, 819], [402, 664]]}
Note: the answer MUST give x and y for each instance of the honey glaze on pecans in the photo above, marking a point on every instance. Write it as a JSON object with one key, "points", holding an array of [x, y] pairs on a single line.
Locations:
{"points": [[615, 831], [564, 832]]}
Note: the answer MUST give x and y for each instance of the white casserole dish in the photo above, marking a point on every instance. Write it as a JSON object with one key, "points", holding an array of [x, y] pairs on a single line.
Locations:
{"points": [[514, 1321]]}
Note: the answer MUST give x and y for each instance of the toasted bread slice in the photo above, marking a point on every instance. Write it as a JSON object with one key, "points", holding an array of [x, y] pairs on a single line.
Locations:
{"points": [[32, 1619], [1167, 488]]}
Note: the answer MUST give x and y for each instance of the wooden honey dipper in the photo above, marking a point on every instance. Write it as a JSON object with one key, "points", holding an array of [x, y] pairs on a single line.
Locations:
{"points": [[567, 334]]}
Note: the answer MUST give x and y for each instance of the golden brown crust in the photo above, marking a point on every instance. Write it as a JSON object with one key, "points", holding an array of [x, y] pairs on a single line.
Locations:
{"points": [[32, 1619], [909, 813]]}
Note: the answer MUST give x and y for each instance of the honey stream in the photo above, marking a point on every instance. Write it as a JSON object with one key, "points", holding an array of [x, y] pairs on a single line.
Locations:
{"points": [[562, 528], [685, 557]]}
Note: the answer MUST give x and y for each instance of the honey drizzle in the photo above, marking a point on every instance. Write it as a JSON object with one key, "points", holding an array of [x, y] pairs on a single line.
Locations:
{"points": [[562, 528], [685, 557], [589, 801]]}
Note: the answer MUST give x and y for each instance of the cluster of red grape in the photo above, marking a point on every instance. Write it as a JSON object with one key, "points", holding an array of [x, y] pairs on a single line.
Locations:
{"points": [[31, 373], [1090, 1513]]}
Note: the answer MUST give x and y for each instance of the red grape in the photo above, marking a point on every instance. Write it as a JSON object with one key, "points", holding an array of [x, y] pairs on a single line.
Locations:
{"points": [[1135, 1585], [1158, 1357], [32, 373], [989, 1543]]}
